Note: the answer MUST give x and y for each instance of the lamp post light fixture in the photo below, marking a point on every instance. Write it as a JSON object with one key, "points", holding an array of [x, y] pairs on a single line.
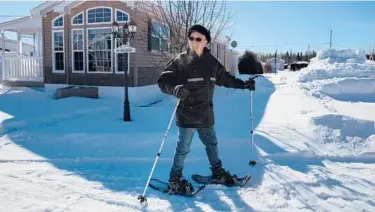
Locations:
{"points": [[129, 30]]}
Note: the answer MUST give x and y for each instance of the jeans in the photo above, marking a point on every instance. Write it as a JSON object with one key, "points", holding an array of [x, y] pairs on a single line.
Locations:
{"points": [[185, 137]]}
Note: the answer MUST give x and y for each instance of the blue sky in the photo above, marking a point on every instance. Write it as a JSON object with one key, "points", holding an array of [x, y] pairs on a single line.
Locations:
{"points": [[269, 26], [295, 25]]}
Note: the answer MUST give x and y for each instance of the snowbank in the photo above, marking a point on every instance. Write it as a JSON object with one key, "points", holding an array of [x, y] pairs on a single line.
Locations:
{"points": [[262, 82], [341, 56], [348, 135], [351, 90], [332, 63], [138, 96]]}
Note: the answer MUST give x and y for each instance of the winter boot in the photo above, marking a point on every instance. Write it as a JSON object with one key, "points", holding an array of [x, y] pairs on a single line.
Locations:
{"points": [[221, 176], [180, 185]]}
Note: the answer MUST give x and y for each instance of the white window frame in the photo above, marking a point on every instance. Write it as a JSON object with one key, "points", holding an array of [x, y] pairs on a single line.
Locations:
{"points": [[92, 8], [115, 15], [83, 19], [87, 51], [159, 37], [53, 52], [53, 21], [116, 55], [83, 50]]}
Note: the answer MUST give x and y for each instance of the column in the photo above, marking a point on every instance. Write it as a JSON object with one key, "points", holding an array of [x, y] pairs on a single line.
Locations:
{"points": [[2, 43], [2, 74], [39, 50], [34, 45], [19, 43]]}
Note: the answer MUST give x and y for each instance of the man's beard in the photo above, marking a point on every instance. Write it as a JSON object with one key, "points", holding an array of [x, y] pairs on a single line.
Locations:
{"points": [[196, 49]]}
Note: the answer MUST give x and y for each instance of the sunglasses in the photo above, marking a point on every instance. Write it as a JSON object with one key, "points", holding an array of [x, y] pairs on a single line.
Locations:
{"points": [[196, 39]]}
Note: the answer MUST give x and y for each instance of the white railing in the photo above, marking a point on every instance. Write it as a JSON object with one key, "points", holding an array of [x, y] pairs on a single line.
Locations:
{"points": [[22, 68]]}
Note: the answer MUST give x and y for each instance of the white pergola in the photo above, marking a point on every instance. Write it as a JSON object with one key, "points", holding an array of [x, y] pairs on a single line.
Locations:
{"points": [[32, 25], [26, 26], [15, 66]]}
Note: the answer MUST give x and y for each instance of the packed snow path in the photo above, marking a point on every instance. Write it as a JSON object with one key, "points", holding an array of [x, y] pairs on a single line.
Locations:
{"points": [[314, 152]]}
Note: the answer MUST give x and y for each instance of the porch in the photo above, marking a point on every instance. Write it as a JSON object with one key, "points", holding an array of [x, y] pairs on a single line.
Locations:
{"points": [[20, 68]]}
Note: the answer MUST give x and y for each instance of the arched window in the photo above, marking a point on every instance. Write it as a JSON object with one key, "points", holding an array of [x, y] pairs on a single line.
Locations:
{"points": [[58, 22], [78, 19], [121, 16], [99, 15]]}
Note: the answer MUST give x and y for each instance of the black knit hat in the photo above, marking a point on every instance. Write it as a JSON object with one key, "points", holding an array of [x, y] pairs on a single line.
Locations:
{"points": [[201, 29]]}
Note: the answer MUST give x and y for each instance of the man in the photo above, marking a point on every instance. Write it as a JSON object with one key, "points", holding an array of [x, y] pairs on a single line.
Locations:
{"points": [[191, 76]]}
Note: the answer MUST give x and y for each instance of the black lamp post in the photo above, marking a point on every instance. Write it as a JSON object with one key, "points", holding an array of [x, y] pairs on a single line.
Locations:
{"points": [[129, 29]]}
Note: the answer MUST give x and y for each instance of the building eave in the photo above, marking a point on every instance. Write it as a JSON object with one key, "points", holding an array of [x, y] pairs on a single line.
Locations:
{"points": [[24, 25], [64, 6], [41, 9]]}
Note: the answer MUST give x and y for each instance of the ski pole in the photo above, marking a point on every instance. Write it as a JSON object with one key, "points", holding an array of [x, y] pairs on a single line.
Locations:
{"points": [[252, 162], [142, 197]]}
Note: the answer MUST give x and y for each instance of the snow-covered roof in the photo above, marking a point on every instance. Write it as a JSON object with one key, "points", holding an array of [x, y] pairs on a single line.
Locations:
{"points": [[301, 62], [272, 60]]}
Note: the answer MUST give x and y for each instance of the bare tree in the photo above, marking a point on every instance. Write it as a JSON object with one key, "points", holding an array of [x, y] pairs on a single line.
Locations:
{"points": [[178, 16]]}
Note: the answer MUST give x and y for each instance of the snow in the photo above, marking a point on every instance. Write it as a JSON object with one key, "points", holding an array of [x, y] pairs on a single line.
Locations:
{"points": [[333, 63], [314, 145]]}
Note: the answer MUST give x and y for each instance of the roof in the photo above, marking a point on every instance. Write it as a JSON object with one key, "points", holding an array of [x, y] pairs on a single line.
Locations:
{"points": [[24, 25], [32, 23], [277, 59], [63, 6]]}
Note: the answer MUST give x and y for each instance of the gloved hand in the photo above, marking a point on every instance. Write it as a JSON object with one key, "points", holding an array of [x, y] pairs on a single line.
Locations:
{"points": [[249, 84], [181, 92]]}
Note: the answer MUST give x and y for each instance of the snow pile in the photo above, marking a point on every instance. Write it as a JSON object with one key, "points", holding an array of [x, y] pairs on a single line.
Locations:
{"points": [[332, 63], [346, 135], [343, 75], [341, 56], [353, 90], [138, 96]]}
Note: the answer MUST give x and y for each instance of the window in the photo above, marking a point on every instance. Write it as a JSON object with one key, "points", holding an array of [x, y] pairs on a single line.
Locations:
{"points": [[99, 15], [99, 45], [78, 19], [160, 36], [121, 16], [58, 50], [58, 22], [77, 50]]}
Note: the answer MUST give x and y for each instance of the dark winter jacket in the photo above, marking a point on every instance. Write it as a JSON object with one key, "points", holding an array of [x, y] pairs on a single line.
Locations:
{"points": [[199, 75]]}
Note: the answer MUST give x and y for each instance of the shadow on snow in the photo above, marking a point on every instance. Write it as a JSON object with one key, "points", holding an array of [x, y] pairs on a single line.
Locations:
{"points": [[88, 137]]}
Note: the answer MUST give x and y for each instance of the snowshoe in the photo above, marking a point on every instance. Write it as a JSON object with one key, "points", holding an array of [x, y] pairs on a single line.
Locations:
{"points": [[223, 177], [182, 188]]}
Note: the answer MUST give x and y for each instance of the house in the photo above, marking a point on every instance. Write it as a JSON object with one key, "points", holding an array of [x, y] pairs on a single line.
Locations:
{"points": [[227, 57], [274, 64], [298, 65], [75, 45]]}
